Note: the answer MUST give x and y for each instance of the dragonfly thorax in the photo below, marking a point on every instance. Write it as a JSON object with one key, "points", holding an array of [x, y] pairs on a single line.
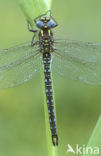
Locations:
{"points": [[46, 46], [46, 41]]}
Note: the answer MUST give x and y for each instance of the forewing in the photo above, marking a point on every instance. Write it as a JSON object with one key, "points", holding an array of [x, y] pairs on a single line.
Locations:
{"points": [[81, 62], [84, 51], [13, 55], [19, 68]]}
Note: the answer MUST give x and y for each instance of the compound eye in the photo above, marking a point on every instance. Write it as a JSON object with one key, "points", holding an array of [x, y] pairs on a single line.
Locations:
{"points": [[50, 24], [39, 24]]}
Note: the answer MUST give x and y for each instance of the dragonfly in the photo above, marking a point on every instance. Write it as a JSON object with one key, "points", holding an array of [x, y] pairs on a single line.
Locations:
{"points": [[75, 60]]}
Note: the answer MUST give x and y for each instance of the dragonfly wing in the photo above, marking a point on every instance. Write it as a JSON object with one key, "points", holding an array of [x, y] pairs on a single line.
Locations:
{"points": [[78, 62], [16, 53], [85, 51], [18, 69]]}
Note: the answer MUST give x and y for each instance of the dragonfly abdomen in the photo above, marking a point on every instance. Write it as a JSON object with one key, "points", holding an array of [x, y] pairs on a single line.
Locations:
{"points": [[49, 96]]}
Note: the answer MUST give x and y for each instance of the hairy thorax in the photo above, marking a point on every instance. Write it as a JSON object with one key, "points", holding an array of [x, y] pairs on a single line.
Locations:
{"points": [[46, 42]]}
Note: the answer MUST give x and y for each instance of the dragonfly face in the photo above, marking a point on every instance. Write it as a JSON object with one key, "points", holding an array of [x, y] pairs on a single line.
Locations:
{"points": [[45, 23]]}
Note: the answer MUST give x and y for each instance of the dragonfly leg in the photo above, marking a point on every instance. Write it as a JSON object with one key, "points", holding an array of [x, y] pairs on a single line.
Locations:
{"points": [[31, 30], [35, 20], [32, 42], [56, 24]]}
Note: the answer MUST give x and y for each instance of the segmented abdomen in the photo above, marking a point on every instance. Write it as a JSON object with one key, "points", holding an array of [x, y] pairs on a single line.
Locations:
{"points": [[49, 92]]}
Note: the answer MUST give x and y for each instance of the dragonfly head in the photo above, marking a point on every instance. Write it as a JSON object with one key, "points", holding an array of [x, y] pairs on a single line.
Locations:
{"points": [[45, 23]]}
